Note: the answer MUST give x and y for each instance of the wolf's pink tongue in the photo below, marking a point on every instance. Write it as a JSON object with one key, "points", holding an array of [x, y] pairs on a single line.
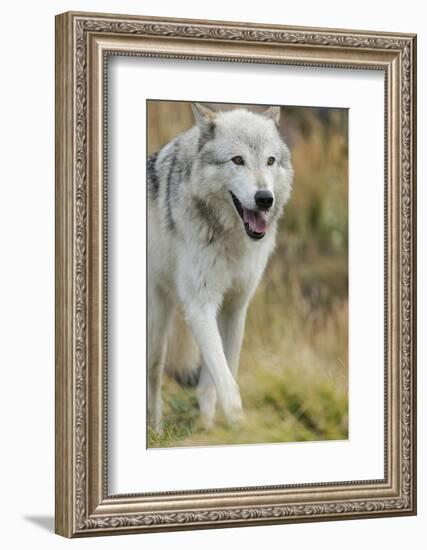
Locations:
{"points": [[257, 221]]}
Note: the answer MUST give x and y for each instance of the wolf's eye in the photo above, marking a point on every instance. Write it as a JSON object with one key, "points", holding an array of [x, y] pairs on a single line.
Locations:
{"points": [[238, 160], [270, 161]]}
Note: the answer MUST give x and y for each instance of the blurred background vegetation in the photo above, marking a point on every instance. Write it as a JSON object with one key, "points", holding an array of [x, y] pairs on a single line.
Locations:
{"points": [[293, 368]]}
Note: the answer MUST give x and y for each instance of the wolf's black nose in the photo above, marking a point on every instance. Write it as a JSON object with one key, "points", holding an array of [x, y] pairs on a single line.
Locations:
{"points": [[264, 199]]}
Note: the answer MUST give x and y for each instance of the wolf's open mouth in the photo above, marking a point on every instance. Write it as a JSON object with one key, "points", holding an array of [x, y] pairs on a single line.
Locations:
{"points": [[255, 222]]}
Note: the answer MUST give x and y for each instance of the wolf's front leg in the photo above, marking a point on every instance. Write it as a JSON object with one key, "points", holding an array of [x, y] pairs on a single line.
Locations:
{"points": [[204, 325], [231, 323], [159, 315], [206, 397]]}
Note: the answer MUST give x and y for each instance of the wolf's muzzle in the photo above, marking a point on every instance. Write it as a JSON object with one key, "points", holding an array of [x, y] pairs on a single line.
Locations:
{"points": [[254, 222]]}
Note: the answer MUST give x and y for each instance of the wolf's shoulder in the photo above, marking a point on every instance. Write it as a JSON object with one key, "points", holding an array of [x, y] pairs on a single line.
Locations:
{"points": [[177, 155]]}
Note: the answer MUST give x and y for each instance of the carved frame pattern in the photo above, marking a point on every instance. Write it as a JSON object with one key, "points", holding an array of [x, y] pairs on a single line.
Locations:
{"points": [[83, 506]]}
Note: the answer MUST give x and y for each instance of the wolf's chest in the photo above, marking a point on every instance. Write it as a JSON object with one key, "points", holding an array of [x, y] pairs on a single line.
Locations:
{"points": [[231, 268]]}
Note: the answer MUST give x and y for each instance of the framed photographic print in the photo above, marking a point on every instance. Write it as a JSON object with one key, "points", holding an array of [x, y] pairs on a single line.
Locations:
{"points": [[235, 274]]}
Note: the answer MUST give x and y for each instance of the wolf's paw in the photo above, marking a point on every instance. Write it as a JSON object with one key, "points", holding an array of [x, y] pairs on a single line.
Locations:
{"points": [[155, 419], [206, 396], [156, 426], [237, 418], [233, 410], [208, 422]]}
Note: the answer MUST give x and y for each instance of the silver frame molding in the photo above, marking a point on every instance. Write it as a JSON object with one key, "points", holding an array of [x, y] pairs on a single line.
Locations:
{"points": [[83, 43]]}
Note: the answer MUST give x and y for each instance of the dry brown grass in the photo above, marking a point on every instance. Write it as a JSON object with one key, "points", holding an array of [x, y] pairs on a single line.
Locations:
{"points": [[293, 373]]}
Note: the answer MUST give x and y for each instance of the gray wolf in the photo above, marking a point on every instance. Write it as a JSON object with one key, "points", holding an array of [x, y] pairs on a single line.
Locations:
{"points": [[215, 195]]}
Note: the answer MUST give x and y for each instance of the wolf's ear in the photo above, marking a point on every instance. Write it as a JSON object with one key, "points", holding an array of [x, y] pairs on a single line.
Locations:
{"points": [[203, 114], [274, 114]]}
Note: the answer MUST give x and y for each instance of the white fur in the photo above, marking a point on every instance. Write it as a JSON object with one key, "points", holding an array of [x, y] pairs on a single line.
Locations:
{"points": [[210, 270]]}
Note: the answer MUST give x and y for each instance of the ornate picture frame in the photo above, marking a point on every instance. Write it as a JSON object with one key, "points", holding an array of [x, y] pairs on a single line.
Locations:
{"points": [[84, 42]]}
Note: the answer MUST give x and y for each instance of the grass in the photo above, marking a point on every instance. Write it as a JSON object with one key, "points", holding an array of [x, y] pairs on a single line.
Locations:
{"points": [[293, 368]]}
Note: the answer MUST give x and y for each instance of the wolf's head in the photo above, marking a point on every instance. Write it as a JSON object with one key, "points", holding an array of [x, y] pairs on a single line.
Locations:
{"points": [[243, 166]]}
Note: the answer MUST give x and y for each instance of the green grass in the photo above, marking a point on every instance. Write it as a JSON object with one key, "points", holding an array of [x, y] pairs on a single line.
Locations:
{"points": [[293, 368], [293, 382]]}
